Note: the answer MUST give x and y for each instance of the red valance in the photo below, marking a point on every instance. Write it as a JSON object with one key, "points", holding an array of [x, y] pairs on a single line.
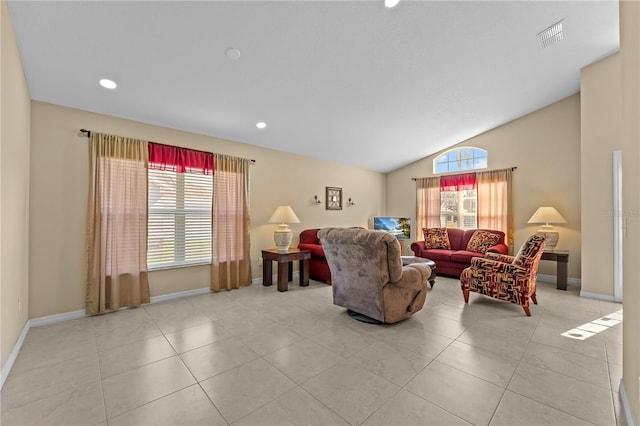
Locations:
{"points": [[458, 182], [181, 160]]}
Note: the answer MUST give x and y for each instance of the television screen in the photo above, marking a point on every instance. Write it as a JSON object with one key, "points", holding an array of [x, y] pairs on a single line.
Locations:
{"points": [[399, 227]]}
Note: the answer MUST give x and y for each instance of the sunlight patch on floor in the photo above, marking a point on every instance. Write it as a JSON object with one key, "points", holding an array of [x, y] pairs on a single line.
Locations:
{"points": [[584, 331]]}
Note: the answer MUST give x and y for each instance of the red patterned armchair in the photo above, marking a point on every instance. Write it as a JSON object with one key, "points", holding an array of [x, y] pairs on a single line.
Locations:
{"points": [[508, 278]]}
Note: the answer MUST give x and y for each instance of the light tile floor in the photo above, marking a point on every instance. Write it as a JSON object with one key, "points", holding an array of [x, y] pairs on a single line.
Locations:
{"points": [[254, 356]]}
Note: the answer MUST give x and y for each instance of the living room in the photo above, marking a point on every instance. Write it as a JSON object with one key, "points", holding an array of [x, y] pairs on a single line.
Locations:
{"points": [[562, 152]]}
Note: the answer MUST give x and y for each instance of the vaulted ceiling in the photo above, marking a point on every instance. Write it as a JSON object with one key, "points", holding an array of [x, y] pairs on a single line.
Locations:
{"points": [[346, 81]]}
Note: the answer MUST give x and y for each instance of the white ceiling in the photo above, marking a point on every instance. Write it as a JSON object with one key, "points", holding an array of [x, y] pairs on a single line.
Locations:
{"points": [[345, 81]]}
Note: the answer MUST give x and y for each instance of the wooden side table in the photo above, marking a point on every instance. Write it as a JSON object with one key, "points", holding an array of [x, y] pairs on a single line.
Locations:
{"points": [[285, 266], [561, 257]]}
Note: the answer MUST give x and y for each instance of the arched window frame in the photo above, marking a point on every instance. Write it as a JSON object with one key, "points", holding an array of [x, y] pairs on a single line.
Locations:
{"points": [[446, 163]]}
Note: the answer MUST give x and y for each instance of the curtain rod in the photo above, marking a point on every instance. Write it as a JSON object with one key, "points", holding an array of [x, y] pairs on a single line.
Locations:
{"points": [[511, 168], [88, 132]]}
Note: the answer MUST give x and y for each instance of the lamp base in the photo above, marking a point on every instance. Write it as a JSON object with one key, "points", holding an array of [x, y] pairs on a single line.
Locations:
{"points": [[552, 238], [282, 237]]}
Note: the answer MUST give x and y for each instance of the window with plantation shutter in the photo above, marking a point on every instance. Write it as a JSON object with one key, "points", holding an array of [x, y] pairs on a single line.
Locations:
{"points": [[180, 195], [179, 227]]}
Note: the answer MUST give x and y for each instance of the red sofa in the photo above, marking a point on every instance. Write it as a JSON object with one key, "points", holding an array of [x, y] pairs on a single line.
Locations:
{"points": [[318, 266], [453, 262]]}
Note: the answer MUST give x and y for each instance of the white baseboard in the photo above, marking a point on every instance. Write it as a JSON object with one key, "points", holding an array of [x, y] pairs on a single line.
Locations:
{"points": [[180, 294], [52, 319], [625, 404], [553, 279], [575, 282], [6, 368], [73, 315], [596, 296]]}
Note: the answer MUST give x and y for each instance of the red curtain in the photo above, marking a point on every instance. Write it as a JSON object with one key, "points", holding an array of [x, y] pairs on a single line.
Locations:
{"points": [[181, 160], [458, 182]]}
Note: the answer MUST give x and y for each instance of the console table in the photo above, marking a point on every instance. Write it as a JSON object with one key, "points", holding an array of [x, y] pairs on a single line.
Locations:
{"points": [[285, 266], [561, 257]]}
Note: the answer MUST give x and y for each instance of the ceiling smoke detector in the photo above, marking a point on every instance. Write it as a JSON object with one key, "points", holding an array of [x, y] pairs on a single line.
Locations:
{"points": [[232, 53], [551, 35]]}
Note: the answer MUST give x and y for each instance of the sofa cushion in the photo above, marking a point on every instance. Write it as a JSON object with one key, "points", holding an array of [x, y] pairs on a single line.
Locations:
{"points": [[436, 238], [456, 237], [464, 256], [437, 254], [481, 241]]}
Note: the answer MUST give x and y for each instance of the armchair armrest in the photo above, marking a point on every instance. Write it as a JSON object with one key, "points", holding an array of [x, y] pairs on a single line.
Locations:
{"points": [[499, 248], [495, 266], [413, 276], [499, 257], [418, 247]]}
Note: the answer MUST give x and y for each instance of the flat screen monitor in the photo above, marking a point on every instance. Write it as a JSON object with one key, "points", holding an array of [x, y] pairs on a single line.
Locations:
{"points": [[399, 227]]}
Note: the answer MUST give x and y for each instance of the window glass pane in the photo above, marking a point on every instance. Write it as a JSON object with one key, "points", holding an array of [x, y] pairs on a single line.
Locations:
{"points": [[460, 159], [479, 153], [469, 222], [458, 209], [442, 168], [480, 163], [466, 153]]}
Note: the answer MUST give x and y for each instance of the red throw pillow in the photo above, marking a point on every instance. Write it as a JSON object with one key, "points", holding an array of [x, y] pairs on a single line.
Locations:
{"points": [[481, 241], [436, 238]]}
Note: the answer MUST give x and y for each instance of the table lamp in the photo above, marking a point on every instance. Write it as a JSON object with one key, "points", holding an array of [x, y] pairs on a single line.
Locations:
{"points": [[282, 236], [548, 215]]}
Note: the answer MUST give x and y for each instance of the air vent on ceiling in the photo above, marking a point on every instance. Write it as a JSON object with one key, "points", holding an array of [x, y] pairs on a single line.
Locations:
{"points": [[551, 35]]}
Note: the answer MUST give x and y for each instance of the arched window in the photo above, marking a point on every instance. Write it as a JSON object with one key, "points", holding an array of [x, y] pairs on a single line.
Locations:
{"points": [[460, 159]]}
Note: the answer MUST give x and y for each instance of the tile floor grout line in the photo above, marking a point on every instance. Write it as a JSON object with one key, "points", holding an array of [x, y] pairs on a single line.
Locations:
{"points": [[447, 297], [199, 384], [551, 406], [435, 403], [104, 401], [528, 397]]}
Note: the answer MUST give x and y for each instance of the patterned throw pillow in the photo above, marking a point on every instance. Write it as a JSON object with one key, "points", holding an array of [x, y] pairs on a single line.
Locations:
{"points": [[481, 241], [436, 238]]}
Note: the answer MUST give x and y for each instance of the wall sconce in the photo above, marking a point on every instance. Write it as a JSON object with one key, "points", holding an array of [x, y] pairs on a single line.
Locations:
{"points": [[316, 201], [350, 203]]}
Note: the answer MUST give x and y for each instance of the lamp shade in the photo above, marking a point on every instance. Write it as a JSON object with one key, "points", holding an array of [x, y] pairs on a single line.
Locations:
{"points": [[547, 215], [284, 214]]}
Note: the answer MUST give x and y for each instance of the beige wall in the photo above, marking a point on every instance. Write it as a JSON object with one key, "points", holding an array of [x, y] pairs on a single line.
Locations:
{"points": [[545, 146], [59, 169], [630, 101], [14, 190], [600, 136]]}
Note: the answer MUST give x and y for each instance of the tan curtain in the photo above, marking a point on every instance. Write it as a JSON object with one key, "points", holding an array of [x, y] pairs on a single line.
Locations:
{"points": [[230, 263], [494, 202], [427, 204], [117, 223]]}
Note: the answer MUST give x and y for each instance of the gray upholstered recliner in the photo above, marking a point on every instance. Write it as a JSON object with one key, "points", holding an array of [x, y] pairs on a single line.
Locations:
{"points": [[368, 276]]}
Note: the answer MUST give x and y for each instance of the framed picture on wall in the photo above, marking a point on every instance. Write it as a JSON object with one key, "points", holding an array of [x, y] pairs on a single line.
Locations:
{"points": [[334, 198]]}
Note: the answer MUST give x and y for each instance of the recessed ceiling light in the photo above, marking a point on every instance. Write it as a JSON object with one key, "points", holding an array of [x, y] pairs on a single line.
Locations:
{"points": [[232, 53], [391, 3], [108, 84], [261, 124]]}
